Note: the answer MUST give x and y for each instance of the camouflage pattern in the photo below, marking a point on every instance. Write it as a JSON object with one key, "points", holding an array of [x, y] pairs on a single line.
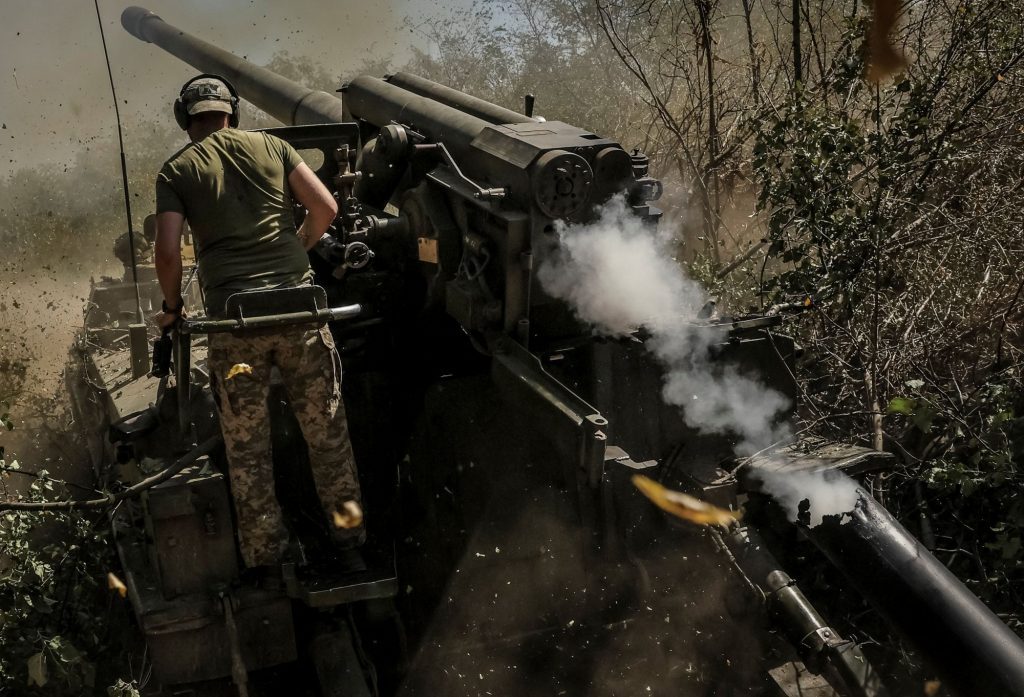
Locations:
{"points": [[310, 370]]}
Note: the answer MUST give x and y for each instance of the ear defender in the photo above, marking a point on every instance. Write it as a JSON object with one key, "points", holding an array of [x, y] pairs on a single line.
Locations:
{"points": [[181, 105], [181, 114]]}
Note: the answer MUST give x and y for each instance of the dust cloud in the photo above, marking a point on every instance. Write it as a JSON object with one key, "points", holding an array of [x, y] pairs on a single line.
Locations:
{"points": [[60, 186], [54, 95], [39, 316], [619, 275]]}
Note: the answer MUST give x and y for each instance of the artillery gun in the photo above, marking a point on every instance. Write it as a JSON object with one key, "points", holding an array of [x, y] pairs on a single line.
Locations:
{"points": [[496, 437]]}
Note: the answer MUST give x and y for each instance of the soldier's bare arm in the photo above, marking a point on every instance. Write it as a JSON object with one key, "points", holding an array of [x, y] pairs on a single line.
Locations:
{"points": [[318, 202], [167, 257]]}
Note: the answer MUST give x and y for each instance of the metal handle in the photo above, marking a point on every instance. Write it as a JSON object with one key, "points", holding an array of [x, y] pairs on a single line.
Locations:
{"points": [[204, 325]]}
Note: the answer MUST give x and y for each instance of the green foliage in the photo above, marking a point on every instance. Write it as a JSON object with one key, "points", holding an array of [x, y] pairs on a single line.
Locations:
{"points": [[898, 207], [123, 689], [53, 621], [919, 412], [977, 478], [816, 221], [889, 205]]}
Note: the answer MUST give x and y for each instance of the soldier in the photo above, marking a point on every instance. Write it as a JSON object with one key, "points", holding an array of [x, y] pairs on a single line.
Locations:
{"points": [[235, 189], [123, 252]]}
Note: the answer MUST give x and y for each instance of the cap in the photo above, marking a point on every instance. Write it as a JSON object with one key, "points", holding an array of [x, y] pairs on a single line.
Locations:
{"points": [[207, 94]]}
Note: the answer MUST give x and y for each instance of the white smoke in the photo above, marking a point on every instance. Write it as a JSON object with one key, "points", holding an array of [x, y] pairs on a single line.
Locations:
{"points": [[618, 275], [828, 492]]}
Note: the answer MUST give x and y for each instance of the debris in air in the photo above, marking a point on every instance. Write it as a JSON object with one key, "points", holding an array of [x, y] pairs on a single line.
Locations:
{"points": [[350, 516], [683, 505], [239, 369], [884, 59], [116, 584]]}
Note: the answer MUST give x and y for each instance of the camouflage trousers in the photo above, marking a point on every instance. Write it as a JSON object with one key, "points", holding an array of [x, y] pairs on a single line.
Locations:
{"points": [[311, 372]]}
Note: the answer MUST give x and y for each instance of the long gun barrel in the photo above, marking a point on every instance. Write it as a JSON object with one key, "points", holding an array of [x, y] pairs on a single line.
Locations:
{"points": [[474, 106], [450, 116], [974, 651], [284, 99], [554, 167]]}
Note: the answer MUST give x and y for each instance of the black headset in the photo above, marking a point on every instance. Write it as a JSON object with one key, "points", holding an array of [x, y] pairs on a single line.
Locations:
{"points": [[181, 114]]}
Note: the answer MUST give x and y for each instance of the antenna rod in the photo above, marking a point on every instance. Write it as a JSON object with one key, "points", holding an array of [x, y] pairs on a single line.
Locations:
{"points": [[124, 172]]}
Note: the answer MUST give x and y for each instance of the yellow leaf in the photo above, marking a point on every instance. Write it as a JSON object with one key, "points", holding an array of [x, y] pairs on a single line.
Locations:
{"points": [[116, 584], [683, 505], [931, 688], [238, 369], [350, 516]]}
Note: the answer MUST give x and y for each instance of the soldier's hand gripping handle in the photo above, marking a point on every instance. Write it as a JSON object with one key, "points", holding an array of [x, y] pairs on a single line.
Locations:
{"points": [[163, 349]]}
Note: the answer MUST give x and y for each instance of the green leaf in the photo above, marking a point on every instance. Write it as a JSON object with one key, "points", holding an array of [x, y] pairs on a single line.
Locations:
{"points": [[122, 689], [922, 418], [902, 405], [1002, 417], [969, 486], [64, 649]]}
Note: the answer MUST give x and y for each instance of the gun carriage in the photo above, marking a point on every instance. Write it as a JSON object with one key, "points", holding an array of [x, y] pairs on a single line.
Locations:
{"points": [[496, 437]]}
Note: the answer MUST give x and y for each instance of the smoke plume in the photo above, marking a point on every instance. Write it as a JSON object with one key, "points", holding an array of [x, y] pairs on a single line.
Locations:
{"points": [[619, 275], [828, 492]]}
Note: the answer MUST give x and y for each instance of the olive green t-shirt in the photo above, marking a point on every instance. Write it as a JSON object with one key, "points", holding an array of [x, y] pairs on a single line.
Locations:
{"points": [[232, 188]]}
